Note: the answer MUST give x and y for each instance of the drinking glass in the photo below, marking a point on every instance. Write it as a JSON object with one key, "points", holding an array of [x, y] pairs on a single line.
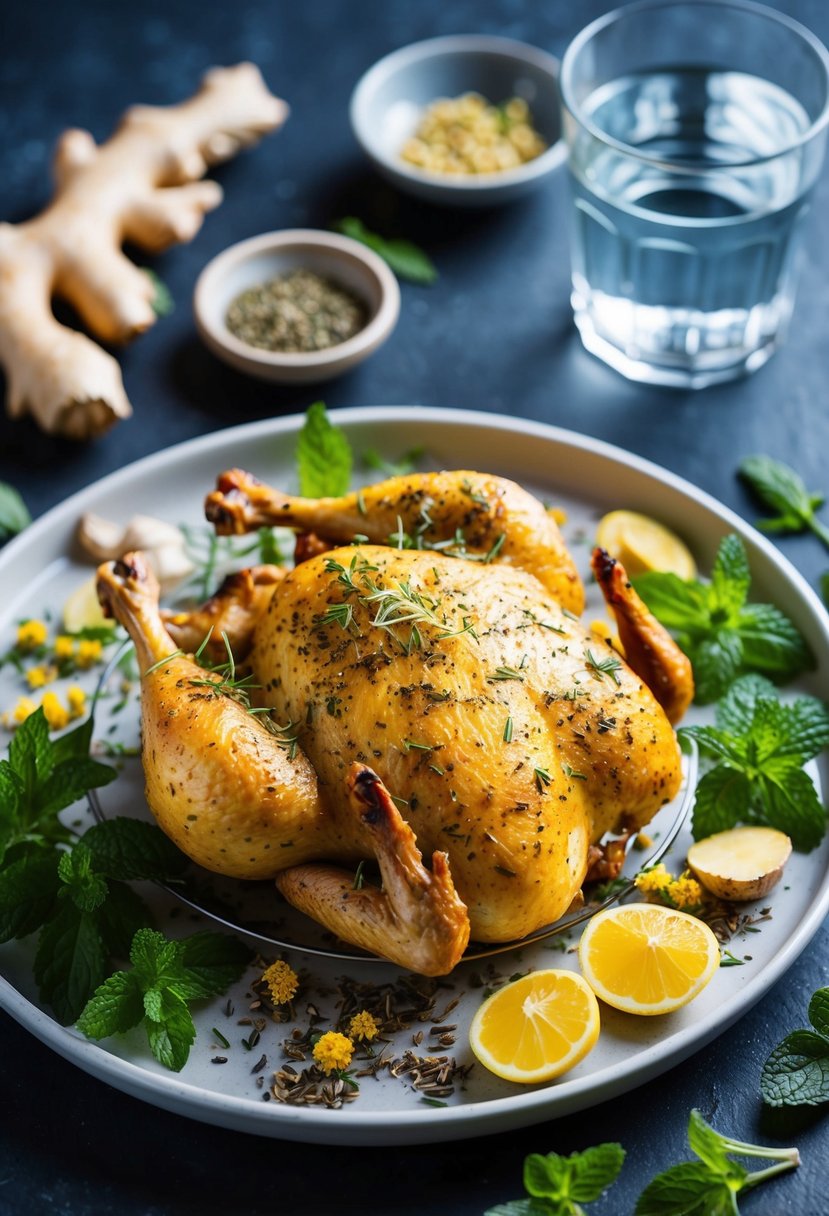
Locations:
{"points": [[696, 131]]}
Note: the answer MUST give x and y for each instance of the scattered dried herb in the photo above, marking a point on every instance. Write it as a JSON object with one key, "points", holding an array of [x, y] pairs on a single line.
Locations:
{"points": [[296, 313]]}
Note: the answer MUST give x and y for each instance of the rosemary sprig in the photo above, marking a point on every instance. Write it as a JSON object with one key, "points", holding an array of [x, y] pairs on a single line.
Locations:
{"points": [[603, 667]]}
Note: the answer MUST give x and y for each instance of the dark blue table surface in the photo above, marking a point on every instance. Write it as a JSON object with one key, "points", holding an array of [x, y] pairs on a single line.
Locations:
{"points": [[494, 333]]}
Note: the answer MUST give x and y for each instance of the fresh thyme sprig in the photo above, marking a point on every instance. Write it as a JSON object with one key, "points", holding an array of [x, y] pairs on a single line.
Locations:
{"points": [[604, 667]]}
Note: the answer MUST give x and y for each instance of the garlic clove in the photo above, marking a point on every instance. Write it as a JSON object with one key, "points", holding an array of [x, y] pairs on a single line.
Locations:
{"points": [[162, 543]]}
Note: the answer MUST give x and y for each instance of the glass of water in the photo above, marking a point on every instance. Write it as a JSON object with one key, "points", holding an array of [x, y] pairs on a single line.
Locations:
{"points": [[696, 131]]}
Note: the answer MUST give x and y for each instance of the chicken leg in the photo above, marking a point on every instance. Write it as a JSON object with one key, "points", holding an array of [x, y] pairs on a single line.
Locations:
{"points": [[649, 648], [464, 514], [234, 796], [416, 919]]}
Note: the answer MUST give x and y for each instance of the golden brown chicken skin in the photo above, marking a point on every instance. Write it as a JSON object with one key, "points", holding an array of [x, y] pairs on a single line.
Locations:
{"points": [[438, 710]]}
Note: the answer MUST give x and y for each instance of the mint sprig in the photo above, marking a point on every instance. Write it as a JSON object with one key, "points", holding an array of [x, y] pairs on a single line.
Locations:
{"points": [[558, 1186], [781, 489], [41, 777], [73, 891], [407, 260], [166, 977], [323, 456], [760, 747], [797, 1071], [709, 1186], [723, 634], [14, 514], [79, 900]]}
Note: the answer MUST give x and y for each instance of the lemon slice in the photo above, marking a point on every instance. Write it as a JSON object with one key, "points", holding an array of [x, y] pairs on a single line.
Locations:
{"points": [[642, 544], [644, 958], [536, 1028], [82, 610]]}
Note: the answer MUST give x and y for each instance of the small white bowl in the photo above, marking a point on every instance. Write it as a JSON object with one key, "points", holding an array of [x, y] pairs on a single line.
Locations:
{"points": [[255, 261], [389, 100]]}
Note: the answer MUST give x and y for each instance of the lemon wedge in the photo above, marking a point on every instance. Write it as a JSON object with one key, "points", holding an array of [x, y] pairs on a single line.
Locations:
{"points": [[647, 959], [537, 1027], [641, 544], [82, 610]]}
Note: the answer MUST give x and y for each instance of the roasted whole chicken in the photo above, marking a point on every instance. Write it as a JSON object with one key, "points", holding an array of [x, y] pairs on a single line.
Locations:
{"points": [[425, 691]]}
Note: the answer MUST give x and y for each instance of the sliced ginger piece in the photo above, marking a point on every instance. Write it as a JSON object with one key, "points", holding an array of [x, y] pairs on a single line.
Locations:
{"points": [[742, 863], [642, 544]]}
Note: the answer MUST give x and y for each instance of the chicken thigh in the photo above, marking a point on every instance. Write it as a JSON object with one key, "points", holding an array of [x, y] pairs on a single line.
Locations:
{"points": [[419, 704]]}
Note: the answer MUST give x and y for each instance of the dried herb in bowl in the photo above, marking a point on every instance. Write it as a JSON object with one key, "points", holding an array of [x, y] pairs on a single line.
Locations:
{"points": [[298, 312]]}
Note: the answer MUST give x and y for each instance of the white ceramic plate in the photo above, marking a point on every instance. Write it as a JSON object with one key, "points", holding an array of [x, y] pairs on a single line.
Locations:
{"points": [[39, 570]]}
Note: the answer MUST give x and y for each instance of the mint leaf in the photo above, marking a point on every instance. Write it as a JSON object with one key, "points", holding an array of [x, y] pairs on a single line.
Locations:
{"points": [[722, 634], [166, 976], [810, 727], [41, 777], [689, 1189], [70, 961], [722, 800], [87, 889], [212, 962], [28, 889], [14, 515], [120, 918], [760, 777], [771, 642], [730, 576], [711, 1147], [172, 1035], [323, 456], [593, 1170], [819, 1011], [782, 489], [115, 1008], [557, 1185], [717, 661], [405, 258], [131, 849], [794, 807], [735, 712], [710, 1185], [797, 1071], [679, 604], [162, 301]]}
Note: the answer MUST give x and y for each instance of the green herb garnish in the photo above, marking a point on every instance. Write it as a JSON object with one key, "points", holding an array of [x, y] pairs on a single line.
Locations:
{"points": [[70, 889], [162, 301], [709, 1186], [723, 635], [405, 258], [558, 1186], [604, 667], [760, 746], [14, 514], [779, 487], [166, 976], [407, 463], [797, 1071], [323, 456]]}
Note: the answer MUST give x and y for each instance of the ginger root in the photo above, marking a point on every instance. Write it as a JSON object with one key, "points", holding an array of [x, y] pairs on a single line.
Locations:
{"points": [[140, 186]]}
